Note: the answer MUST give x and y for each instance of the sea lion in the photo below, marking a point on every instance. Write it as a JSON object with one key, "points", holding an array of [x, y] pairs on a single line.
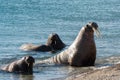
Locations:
{"points": [[23, 66], [82, 52], [53, 43]]}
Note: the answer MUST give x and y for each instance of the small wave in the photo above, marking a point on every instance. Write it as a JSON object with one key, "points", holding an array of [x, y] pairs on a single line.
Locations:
{"points": [[107, 61]]}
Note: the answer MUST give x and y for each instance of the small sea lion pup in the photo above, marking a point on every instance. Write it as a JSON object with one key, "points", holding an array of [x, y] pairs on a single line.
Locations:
{"points": [[82, 52], [53, 43], [23, 66]]}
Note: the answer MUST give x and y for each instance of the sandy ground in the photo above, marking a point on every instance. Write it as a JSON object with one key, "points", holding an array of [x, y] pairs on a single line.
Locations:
{"points": [[109, 73]]}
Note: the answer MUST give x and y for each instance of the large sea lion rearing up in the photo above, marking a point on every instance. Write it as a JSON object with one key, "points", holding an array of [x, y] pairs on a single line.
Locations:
{"points": [[82, 52], [23, 66], [53, 43]]}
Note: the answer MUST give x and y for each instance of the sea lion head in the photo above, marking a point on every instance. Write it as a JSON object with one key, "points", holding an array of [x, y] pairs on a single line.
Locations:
{"points": [[29, 59], [92, 27], [55, 42]]}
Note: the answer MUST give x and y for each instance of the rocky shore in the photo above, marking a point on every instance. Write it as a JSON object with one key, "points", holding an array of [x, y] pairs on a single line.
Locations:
{"points": [[108, 73]]}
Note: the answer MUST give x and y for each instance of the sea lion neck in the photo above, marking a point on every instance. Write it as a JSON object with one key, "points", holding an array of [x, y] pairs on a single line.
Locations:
{"points": [[82, 37]]}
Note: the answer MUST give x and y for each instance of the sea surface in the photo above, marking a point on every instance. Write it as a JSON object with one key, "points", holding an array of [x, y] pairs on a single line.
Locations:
{"points": [[31, 21]]}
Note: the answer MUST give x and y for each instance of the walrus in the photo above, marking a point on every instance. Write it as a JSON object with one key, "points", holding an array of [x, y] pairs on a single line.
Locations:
{"points": [[53, 43], [82, 52], [23, 65]]}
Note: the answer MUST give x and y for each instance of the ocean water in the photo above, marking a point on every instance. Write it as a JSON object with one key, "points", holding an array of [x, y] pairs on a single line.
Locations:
{"points": [[31, 21]]}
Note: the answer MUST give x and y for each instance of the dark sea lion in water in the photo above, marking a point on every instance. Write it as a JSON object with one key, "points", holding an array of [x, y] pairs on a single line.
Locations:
{"points": [[23, 66], [53, 43], [82, 52]]}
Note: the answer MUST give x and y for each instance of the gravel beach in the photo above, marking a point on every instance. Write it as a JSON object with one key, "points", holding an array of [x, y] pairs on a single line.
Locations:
{"points": [[108, 73]]}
